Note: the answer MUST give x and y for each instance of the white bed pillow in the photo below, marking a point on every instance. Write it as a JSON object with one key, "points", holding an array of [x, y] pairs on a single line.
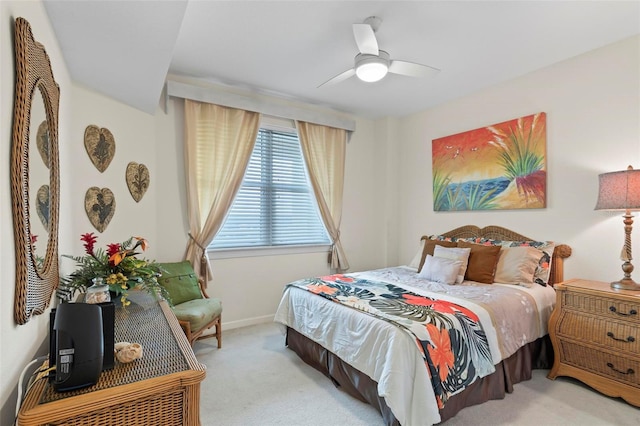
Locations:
{"points": [[454, 253], [517, 265], [440, 269]]}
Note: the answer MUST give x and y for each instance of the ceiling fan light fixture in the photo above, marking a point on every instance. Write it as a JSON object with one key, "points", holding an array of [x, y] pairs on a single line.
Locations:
{"points": [[371, 68], [371, 72]]}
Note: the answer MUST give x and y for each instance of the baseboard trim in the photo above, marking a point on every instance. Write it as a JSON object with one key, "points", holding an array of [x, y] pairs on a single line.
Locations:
{"points": [[241, 323], [246, 322]]}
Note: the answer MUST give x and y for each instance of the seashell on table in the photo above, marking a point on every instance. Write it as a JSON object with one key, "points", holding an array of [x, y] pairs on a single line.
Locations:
{"points": [[127, 352]]}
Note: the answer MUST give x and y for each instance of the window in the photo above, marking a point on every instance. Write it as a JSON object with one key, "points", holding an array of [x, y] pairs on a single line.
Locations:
{"points": [[275, 205]]}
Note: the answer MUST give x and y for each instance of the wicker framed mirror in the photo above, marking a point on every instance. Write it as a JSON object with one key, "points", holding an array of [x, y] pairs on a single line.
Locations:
{"points": [[35, 130]]}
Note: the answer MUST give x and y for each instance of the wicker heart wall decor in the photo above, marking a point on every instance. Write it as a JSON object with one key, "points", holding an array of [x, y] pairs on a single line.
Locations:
{"points": [[100, 145], [42, 142], [137, 180], [43, 200], [100, 205]]}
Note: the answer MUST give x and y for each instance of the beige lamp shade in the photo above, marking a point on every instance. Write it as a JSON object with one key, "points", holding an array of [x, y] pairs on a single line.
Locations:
{"points": [[619, 190]]}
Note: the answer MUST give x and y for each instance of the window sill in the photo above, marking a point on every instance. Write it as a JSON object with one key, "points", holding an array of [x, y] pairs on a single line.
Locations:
{"points": [[266, 251]]}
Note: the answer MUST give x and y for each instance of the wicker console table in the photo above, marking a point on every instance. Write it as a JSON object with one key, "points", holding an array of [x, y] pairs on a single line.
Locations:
{"points": [[163, 387]]}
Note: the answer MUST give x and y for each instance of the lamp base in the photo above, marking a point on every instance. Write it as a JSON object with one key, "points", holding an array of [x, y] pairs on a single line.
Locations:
{"points": [[626, 284]]}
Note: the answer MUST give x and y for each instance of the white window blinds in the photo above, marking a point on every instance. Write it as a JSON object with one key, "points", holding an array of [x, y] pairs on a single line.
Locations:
{"points": [[275, 205]]}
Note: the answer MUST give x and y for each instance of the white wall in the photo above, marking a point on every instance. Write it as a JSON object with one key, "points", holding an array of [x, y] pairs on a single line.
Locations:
{"points": [[135, 139], [20, 344], [593, 126]]}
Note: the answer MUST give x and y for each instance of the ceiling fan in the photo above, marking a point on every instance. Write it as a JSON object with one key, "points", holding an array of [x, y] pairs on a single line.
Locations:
{"points": [[372, 64]]}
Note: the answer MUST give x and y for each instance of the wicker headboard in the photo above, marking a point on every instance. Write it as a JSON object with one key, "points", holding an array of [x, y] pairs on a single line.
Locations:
{"points": [[561, 251]]}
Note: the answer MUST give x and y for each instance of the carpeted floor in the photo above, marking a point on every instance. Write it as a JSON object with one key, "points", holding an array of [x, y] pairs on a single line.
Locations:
{"points": [[254, 380]]}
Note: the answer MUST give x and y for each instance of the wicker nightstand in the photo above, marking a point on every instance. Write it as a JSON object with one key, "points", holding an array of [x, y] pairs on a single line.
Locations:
{"points": [[595, 332]]}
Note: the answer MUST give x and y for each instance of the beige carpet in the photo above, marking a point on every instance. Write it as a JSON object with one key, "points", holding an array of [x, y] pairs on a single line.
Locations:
{"points": [[255, 380]]}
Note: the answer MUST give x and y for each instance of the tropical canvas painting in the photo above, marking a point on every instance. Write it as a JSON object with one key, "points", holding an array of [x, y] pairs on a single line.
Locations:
{"points": [[502, 166]]}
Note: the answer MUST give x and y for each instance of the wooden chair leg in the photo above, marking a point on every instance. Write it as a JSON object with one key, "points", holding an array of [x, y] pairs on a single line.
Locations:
{"points": [[192, 337], [186, 327], [219, 331]]}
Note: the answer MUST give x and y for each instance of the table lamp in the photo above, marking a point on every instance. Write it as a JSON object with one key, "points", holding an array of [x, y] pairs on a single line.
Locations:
{"points": [[621, 191]]}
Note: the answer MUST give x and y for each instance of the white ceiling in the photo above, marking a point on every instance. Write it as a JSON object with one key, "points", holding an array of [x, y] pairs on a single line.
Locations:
{"points": [[126, 49]]}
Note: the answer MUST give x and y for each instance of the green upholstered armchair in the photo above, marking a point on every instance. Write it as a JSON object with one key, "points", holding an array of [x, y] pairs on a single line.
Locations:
{"points": [[196, 312]]}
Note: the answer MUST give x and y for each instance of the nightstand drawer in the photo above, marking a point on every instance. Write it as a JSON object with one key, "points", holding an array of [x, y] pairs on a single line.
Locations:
{"points": [[620, 335], [618, 368], [607, 307]]}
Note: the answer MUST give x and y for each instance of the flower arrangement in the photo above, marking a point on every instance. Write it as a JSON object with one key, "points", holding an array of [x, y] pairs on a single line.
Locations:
{"points": [[36, 257], [119, 267]]}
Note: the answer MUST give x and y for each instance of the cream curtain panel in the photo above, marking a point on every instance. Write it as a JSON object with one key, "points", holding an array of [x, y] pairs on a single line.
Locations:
{"points": [[218, 144], [324, 150]]}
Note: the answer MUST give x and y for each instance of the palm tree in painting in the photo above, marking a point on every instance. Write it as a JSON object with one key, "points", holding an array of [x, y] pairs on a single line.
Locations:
{"points": [[440, 185], [519, 159]]}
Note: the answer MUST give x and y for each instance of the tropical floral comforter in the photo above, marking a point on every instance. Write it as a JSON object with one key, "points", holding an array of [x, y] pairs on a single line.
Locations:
{"points": [[450, 337], [457, 340]]}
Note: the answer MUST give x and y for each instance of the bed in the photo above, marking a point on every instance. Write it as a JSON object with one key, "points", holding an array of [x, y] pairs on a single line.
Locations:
{"points": [[422, 341]]}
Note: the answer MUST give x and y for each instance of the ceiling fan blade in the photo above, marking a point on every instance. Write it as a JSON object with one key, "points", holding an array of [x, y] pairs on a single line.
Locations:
{"points": [[412, 69], [365, 39], [340, 77]]}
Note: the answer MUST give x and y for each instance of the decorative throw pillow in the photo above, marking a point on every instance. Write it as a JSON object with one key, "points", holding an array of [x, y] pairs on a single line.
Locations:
{"points": [[440, 269], [180, 281], [429, 246], [454, 253], [543, 269], [517, 265], [482, 262]]}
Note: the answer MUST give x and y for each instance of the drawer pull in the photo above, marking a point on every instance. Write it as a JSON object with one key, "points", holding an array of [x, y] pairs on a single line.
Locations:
{"points": [[629, 371], [629, 339], [615, 311]]}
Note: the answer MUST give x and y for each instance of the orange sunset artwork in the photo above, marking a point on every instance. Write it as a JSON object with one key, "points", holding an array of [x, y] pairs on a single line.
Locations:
{"points": [[502, 166]]}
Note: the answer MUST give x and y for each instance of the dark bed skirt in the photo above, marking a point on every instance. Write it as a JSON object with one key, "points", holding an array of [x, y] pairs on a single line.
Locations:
{"points": [[515, 369]]}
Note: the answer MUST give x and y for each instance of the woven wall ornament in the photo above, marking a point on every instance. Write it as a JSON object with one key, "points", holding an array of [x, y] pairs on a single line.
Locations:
{"points": [[100, 205], [43, 202], [43, 143], [137, 180], [100, 145]]}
